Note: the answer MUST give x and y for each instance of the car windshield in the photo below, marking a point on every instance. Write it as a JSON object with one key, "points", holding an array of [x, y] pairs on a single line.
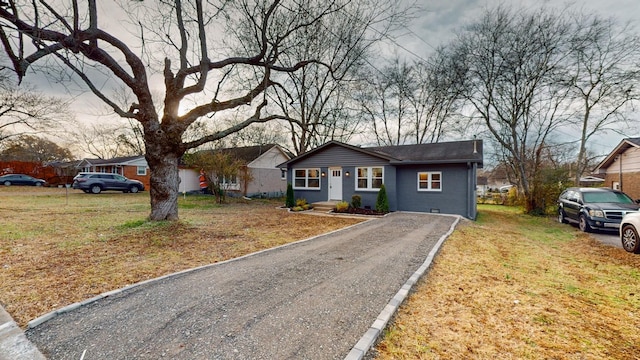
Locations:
{"points": [[606, 197]]}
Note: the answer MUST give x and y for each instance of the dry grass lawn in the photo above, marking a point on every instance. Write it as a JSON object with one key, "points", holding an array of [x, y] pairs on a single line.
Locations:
{"points": [[511, 286], [56, 249]]}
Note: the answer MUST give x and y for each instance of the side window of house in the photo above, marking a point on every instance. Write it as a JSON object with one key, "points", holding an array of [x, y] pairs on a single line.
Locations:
{"points": [[306, 178], [142, 170], [369, 178], [430, 181]]}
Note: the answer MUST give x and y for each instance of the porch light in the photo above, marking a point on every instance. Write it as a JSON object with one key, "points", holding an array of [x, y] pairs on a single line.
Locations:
{"points": [[346, 173], [323, 174]]}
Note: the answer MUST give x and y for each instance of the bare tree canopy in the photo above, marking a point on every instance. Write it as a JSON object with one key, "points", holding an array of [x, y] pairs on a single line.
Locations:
{"points": [[513, 63], [413, 103], [529, 74], [214, 58], [25, 111], [603, 73]]}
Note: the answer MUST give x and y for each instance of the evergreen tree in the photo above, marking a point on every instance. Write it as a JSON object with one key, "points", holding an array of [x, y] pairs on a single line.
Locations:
{"points": [[382, 203]]}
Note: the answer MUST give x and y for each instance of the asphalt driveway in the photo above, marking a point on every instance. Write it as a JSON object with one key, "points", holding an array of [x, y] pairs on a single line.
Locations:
{"points": [[310, 300]]}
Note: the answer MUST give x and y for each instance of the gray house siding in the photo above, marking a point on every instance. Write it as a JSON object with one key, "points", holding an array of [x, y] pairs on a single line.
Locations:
{"points": [[457, 162], [453, 199], [336, 156]]}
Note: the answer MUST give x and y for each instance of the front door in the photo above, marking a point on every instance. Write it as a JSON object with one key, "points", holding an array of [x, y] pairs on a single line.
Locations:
{"points": [[335, 183]]}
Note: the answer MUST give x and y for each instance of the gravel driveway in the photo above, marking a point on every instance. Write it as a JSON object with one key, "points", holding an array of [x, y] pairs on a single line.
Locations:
{"points": [[311, 300]]}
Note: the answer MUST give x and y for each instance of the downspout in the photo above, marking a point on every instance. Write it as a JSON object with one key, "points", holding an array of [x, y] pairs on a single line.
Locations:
{"points": [[620, 171], [469, 193]]}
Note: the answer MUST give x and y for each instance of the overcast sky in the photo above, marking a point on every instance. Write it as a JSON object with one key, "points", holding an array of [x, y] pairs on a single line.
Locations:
{"points": [[439, 20], [436, 24]]}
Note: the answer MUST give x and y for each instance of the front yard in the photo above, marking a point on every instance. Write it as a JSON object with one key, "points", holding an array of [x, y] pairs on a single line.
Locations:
{"points": [[56, 250], [506, 286], [511, 286]]}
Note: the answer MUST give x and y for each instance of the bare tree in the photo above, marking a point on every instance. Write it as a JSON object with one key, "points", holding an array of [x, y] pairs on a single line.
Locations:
{"points": [[604, 75], [436, 101], [385, 102], [513, 62], [214, 58], [414, 103], [25, 111], [108, 140], [317, 99]]}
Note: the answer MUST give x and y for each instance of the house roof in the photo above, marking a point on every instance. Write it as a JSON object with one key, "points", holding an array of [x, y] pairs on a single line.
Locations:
{"points": [[434, 153], [123, 160], [248, 154], [623, 146]]}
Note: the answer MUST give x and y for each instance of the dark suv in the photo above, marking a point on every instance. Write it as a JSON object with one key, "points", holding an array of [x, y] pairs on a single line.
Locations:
{"points": [[594, 208], [97, 182]]}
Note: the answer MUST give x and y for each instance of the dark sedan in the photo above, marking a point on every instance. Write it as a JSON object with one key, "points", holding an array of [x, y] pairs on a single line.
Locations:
{"points": [[21, 179]]}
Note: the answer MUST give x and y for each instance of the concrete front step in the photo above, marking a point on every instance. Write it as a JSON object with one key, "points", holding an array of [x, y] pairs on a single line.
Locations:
{"points": [[324, 206]]}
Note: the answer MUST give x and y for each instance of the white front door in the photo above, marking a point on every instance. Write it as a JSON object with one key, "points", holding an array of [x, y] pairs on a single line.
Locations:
{"points": [[335, 183]]}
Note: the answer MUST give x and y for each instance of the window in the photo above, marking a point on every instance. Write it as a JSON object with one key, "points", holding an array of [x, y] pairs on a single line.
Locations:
{"points": [[230, 182], [430, 181], [369, 178], [142, 170], [283, 174], [306, 178]]}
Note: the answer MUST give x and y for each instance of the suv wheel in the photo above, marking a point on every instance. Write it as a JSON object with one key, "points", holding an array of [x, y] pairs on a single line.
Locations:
{"points": [[96, 189], [134, 189], [630, 241], [583, 224], [561, 218]]}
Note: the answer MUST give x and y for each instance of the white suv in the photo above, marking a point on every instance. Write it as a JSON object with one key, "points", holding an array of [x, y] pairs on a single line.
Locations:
{"points": [[629, 232]]}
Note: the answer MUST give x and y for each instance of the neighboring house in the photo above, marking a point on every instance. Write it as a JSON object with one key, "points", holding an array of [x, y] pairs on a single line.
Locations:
{"points": [[259, 162], [132, 167], [439, 177], [621, 168]]}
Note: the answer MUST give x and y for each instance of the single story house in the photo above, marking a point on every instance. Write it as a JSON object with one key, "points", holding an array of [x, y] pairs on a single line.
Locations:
{"points": [[264, 177], [621, 168], [436, 178], [132, 167]]}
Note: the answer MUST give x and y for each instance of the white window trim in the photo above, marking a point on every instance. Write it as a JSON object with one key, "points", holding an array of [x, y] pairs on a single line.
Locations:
{"points": [[369, 178], [306, 179], [429, 181], [141, 173]]}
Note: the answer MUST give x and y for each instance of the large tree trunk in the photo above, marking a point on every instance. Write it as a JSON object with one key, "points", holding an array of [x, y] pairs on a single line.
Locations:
{"points": [[163, 162]]}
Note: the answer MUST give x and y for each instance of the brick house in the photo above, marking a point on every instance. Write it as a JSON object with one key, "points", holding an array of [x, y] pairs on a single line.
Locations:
{"points": [[621, 168], [132, 167]]}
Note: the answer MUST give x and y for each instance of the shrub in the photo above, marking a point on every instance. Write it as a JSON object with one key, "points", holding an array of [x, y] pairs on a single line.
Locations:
{"points": [[356, 201], [342, 206], [382, 203], [297, 208], [301, 202], [290, 200]]}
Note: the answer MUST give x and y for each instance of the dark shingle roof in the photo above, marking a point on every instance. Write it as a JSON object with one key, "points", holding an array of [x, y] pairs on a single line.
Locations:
{"points": [[470, 150], [245, 153], [435, 153]]}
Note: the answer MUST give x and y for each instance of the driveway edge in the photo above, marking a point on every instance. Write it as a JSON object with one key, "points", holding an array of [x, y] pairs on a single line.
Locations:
{"points": [[371, 336]]}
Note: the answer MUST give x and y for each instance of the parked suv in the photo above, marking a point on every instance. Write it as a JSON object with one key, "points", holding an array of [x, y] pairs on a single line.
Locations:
{"points": [[97, 182], [594, 208]]}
